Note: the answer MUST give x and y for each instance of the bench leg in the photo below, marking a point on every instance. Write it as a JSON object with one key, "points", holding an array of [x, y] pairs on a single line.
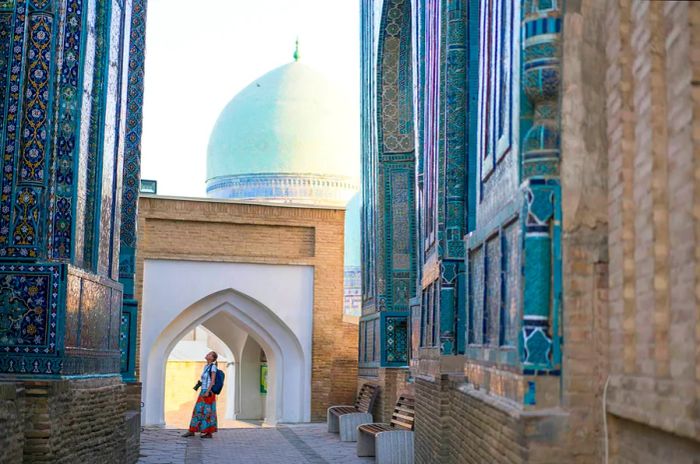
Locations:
{"points": [[394, 447], [332, 421], [349, 424], [365, 444]]}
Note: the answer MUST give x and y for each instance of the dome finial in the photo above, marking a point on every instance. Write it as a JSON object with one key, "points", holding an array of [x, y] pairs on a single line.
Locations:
{"points": [[296, 50]]}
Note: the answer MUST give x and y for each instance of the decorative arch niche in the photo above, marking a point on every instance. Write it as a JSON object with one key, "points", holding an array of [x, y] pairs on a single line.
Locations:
{"points": [[288, 398]]}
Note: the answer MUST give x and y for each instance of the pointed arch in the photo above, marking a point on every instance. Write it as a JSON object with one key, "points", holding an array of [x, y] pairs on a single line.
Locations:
{"points": [[289, 366]]}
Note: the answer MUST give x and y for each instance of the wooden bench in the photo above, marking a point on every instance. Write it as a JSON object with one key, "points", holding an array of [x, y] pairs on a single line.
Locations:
{"points": [[345, 419], [391, 443]]}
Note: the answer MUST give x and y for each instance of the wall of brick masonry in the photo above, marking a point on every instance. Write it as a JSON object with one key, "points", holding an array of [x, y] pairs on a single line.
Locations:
{"points": [[12, 412], [585, 226], [654, 203], [432, 418], [132, 428], [70, 421], [456, 424], [636, 443], [226, 231]]}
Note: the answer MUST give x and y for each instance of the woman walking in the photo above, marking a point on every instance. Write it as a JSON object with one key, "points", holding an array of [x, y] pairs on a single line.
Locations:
{"points": [[204, 413]]}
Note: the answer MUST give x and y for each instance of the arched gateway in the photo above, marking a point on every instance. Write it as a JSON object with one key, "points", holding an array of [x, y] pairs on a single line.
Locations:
{"points": [[267, 273], [289, 393]]}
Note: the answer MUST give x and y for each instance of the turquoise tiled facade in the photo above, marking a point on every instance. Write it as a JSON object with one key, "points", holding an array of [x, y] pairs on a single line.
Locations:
{"points": [[71, 122], [389, 264], [476, 126]]}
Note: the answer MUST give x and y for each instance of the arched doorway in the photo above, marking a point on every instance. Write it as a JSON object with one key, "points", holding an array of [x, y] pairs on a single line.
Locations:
{"points": [[184, 366], [288, 364]]}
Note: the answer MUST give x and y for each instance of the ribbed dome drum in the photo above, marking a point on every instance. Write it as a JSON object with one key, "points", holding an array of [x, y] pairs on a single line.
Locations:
{"points": [[288, 137]]}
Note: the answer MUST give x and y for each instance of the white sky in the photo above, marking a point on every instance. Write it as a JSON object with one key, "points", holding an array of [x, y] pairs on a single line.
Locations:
{"points": [[200, 53]]}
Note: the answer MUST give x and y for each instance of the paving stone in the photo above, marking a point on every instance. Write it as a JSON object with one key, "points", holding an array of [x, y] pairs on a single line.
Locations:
{"points": [[286, 444]]}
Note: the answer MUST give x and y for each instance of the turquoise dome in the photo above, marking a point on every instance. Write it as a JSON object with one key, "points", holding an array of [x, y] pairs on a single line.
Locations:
{"points": [[292, 121]]}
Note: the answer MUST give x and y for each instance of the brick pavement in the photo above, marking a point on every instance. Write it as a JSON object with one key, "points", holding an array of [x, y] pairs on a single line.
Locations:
{"points": [[287, 444]]}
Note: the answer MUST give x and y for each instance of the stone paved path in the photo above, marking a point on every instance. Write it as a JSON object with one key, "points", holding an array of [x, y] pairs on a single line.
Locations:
{"points": [[289, 444]]}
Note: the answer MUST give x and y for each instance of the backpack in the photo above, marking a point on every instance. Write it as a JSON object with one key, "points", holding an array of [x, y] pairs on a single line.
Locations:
{"points": [[218, 382]]}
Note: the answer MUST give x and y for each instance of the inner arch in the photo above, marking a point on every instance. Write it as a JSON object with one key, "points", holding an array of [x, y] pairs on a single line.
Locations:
{"points": [[288, 364]]}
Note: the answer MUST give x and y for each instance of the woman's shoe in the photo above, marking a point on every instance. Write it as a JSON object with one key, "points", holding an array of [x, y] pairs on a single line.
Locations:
{"points": [[206, 435], [188, 434]]}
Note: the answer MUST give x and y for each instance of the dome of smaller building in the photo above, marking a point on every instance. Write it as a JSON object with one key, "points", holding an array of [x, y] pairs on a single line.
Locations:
{"points": [[287, 137]]}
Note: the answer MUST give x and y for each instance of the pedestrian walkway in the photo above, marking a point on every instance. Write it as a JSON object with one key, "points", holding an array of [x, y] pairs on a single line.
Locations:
{"points": [[249, 444]]}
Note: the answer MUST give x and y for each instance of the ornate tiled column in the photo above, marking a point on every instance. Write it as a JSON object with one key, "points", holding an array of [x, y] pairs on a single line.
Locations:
{"points": [[63, 84], [389, 226], [540, 340], [59, 316], [451, 252], [130, 190]]}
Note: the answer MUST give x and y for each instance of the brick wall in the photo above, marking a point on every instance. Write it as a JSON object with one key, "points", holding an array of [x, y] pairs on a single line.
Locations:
{"points": [[72, 421], [654, 199], [226, 231], [133, 421], [432, 442], [585, 226], [636, 443], [456, 424], [12, 412]]}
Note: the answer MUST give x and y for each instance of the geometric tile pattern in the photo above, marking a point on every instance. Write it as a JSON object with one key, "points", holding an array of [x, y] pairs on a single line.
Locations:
{"points": [[396, 339], [134, 120], [541, 76], [473, 174], [29, 299], [10, 135], [388, 231], [67, 146], [95, 132], [41, 118], [131, 176]]}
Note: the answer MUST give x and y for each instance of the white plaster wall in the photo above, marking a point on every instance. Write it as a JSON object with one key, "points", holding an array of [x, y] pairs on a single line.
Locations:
{"points": [[252, 402], [235, 339], [267, 301]]}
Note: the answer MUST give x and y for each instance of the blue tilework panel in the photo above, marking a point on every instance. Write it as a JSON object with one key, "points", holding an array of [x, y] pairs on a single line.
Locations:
{"points": [[61, 224], [134, 119], [115, 309], [5, 56], [109, 153], [93, 312], [11, 129], [396, 100], [372, 341], [396, 347], [492, 307], [30, 171], [29, 302], [95, 133], [124, 335], [34, 135], [477, 286], [95, 303], [512, 251], [72, 311], [376, 340]]}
